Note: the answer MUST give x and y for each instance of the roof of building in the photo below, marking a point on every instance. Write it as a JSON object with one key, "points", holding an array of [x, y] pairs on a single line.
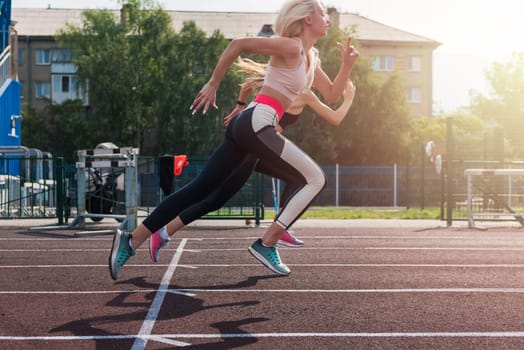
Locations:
{"points": [[46, 22]]}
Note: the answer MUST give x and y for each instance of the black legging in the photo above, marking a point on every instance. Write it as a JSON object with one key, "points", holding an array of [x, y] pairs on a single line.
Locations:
{"points": [[250, 141], [235, 181]]}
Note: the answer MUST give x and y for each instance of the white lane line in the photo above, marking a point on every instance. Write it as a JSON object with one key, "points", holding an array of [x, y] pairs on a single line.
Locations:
{"points": [[61, 239], [73, 292], [502, 249], [479, 249], [370, 265], [191, 292], [74, 266], [517, 238], [388, 290], [195, 266], [55, 250], [474, 237], [501, 334], [351, 335], [145, 331]]}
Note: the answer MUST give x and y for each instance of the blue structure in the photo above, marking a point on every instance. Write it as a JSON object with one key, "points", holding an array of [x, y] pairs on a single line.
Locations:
{"points": [[10, 116]]}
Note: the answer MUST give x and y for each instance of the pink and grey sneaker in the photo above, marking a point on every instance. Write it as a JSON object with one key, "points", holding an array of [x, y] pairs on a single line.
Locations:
{"points": [[289, 240], [155, 243]]}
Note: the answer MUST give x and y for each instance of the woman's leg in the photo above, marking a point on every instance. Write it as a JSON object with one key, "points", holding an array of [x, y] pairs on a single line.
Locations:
{"points": [[265, 168], [254, 132], [225, 191], [288, 239], [224, 161], [217, 169], [215, 200], [294, 166]]}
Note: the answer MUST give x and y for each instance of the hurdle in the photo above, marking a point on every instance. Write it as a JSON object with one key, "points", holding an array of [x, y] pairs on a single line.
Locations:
{"points": [[489, 192], [124, 157]]}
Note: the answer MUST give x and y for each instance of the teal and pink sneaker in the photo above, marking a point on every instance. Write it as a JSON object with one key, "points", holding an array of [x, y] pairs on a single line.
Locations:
{"points": [[155, 243], [121, 251], [289, 240], [269, 257]]}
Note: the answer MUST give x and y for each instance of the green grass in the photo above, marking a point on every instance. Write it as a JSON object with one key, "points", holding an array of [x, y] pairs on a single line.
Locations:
{"points": [[357, 213]]}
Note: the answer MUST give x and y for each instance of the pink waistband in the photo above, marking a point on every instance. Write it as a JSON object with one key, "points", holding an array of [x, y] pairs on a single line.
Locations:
{"points": [[272, 102]]}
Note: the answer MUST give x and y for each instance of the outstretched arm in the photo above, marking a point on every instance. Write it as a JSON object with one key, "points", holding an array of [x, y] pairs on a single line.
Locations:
{"points": [[333, 117], [277, 46], [331, 90]]}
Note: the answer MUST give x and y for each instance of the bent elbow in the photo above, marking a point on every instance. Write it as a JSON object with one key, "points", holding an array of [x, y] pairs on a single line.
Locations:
{"points": [[331, 98]]}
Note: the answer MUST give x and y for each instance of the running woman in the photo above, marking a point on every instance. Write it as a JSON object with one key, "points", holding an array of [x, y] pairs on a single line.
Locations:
{"points": [[234, 183], [292, 68]]}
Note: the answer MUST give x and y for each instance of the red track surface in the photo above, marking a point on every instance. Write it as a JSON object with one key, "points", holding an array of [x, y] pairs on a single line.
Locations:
{"points": [[350, 288]]}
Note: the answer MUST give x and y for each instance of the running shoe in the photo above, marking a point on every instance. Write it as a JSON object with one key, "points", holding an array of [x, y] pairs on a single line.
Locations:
{"points": [[269, 257], [155, 243], [289, 240], [120, 253]]}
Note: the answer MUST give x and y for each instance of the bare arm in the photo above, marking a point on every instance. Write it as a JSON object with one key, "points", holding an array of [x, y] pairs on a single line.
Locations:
{"points": [[331, 90], [333, 117], [284, 48], [243, 95]]}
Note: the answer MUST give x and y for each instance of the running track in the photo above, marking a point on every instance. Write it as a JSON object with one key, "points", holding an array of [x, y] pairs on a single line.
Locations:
{"points": [[351, 288]]}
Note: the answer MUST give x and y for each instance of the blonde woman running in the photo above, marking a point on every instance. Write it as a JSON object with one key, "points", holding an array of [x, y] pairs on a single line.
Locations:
{"points": [[292, 68]]}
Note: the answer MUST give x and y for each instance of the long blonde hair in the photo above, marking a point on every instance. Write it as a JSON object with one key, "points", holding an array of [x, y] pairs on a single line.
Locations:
{"points": [[256, 73], [289, 24]]}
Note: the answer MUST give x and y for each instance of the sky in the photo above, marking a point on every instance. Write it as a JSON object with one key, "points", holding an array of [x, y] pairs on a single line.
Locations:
{"points": [[473, 33]]}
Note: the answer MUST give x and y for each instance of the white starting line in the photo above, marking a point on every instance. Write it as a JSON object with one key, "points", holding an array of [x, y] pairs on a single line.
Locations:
{"points": [[171, 338]]}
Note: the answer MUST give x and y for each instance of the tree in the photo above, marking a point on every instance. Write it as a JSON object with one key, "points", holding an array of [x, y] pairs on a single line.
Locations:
{"points": [[504, 106], [190, 67], [119, 62], [375, 131], [58, 129], [142, 76]]}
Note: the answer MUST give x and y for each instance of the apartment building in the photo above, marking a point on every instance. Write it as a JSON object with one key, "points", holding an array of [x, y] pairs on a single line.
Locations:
{"points": [[45, 70]]}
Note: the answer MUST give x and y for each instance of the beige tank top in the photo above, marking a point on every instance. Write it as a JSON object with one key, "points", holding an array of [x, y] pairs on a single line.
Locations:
{"points": [[288, 81]]}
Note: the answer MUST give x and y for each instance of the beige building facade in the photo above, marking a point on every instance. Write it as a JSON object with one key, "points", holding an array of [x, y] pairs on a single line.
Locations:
{"points": [[45, 70]]}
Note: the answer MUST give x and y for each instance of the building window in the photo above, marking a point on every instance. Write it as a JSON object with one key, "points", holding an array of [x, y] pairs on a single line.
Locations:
{"points": [[414, 64], [43, 57], [74, 85], [61, 56], [414, 95], [20, 57], [42, 89], [22, 83], [65, 86], [65, 83], [383, 63]]}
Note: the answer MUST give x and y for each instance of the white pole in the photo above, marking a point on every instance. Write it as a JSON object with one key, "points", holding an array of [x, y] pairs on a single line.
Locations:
{"points": [[337, 185], [395, 189], [509, 189]]}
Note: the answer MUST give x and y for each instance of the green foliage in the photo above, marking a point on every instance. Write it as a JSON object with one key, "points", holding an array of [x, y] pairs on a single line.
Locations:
{"points": [[56, 129], [142, 76], [190, 68], [376, 129], [504, 107]]}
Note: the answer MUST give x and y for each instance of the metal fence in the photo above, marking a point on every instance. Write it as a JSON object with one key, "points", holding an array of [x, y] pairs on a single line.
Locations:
{"points": [[33, 193], [106, 196], [374, 186], [27, 187], [24, 195]]}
